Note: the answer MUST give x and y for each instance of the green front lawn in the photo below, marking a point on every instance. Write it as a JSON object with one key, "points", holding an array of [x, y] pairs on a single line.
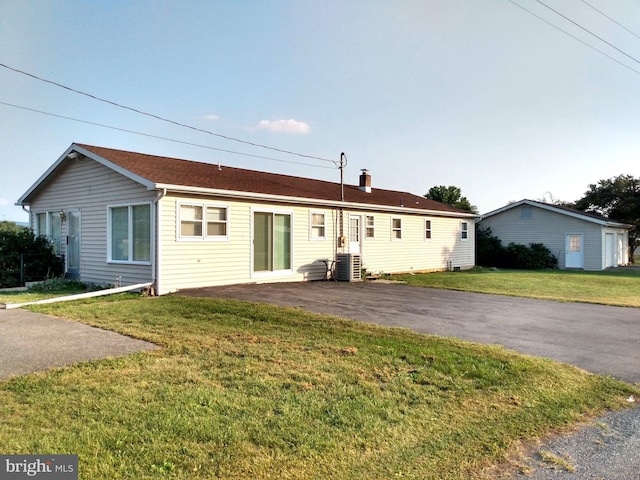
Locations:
{"points": [[247, 391], [616, 287]]}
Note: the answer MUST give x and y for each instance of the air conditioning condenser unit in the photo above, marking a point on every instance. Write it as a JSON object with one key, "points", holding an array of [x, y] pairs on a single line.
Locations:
{"points": [[348, 267]]}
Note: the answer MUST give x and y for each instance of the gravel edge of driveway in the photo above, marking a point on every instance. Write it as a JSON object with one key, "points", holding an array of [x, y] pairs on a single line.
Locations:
{"points": [[606, 447]]}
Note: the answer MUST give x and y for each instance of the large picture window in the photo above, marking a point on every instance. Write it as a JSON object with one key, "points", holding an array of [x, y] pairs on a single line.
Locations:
{"points": [[271, 241], [203, 222], [130, 233]]}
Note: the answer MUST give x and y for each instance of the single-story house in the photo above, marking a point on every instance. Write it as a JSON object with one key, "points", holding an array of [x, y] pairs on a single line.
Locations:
{"points": [[125, 218], [578, 239]]}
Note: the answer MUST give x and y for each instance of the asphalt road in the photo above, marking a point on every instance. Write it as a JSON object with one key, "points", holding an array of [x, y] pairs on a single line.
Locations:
{"points": [[597, 338]]}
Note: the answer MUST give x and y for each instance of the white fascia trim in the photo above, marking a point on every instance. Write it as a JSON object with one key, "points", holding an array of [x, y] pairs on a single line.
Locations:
{"points": [[43, 177], [122, 171], [310, 201], [75, 148]]}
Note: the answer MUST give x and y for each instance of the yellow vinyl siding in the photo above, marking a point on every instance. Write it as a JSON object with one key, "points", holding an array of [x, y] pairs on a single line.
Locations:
{"points": [[385, 254], [193, 264]]}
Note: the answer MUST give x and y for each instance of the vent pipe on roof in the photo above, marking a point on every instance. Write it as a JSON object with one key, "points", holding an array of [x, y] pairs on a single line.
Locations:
{"points": [[365, 181]]}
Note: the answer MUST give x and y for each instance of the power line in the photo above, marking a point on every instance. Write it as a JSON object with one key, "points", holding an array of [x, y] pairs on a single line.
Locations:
{"points": [[588, 31], [607, 16], [158, 136], [36, 77], [575, 38]]}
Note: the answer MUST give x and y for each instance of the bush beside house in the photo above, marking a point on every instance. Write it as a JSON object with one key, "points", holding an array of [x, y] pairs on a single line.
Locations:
{"points": [[25, 257], [491, 253]]}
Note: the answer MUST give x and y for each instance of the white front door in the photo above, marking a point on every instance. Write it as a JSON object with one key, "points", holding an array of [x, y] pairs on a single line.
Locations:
{"points": [[574, 251], [355, 234]]}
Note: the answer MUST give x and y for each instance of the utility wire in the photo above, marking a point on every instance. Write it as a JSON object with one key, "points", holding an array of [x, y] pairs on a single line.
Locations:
{"points": [[588, 31], [607, 16], [575, 38], [157, 136], [161, 118]]}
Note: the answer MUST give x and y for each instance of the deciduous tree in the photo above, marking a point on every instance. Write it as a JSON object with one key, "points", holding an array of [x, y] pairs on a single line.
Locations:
{"points": [[451, 195], [618, 199]]}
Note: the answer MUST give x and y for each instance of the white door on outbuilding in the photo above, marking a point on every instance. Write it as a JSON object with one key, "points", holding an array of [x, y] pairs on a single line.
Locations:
{"points": [[609, 250], [574, 250], [621, 257]]}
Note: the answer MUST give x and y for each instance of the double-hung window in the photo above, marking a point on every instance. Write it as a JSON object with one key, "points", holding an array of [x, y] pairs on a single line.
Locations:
{"points": [[203, 222], [464, 230], [370, 226], [396, 229], [129, 234], [318, 225], [427, 229]]}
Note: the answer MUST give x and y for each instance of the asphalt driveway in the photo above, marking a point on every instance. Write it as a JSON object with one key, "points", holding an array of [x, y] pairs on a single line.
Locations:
{"points": [[32, 342], [597, 338]]}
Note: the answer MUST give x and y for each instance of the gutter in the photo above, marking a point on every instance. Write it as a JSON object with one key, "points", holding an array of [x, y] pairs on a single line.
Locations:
{"points": [[78, 296], [312, 201]]}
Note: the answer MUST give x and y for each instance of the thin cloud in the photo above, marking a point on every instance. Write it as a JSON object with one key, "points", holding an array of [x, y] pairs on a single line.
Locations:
{"points": [[285, 126], [212, 116], [4, 202]]}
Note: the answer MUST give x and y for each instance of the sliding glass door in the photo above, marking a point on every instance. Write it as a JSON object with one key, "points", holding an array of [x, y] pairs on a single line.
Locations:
{"points": [[271, 241]]}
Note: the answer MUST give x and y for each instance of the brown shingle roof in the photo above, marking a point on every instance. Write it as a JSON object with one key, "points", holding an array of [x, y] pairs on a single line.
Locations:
{"points": [[172, 171]]}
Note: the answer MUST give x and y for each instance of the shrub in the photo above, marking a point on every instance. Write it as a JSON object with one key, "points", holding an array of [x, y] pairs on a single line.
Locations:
{"points": [[491, 253], [58, 285], [489, 249], [26, 257]]}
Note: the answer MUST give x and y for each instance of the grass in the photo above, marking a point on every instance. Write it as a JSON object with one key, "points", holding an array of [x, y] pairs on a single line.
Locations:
{"points": [[616, 287], [242, 390]]}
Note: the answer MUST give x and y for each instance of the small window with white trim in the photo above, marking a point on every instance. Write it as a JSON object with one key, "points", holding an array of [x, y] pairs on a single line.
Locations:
{"points": [[427, 229], [370, 226], [464, 230], [396, 229], [318, 225], [203, 222]]}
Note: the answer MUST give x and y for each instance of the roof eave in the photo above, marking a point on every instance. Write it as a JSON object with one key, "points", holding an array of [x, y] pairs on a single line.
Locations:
{"points": [[309, 201]]}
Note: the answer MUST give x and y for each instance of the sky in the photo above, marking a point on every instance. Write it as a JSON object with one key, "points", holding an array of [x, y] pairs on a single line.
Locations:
{"points": [[481, 94]]}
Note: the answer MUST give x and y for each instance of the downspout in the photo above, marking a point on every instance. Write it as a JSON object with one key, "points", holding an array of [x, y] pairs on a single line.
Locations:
{"points": [[156, 266], [28, 212]]}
